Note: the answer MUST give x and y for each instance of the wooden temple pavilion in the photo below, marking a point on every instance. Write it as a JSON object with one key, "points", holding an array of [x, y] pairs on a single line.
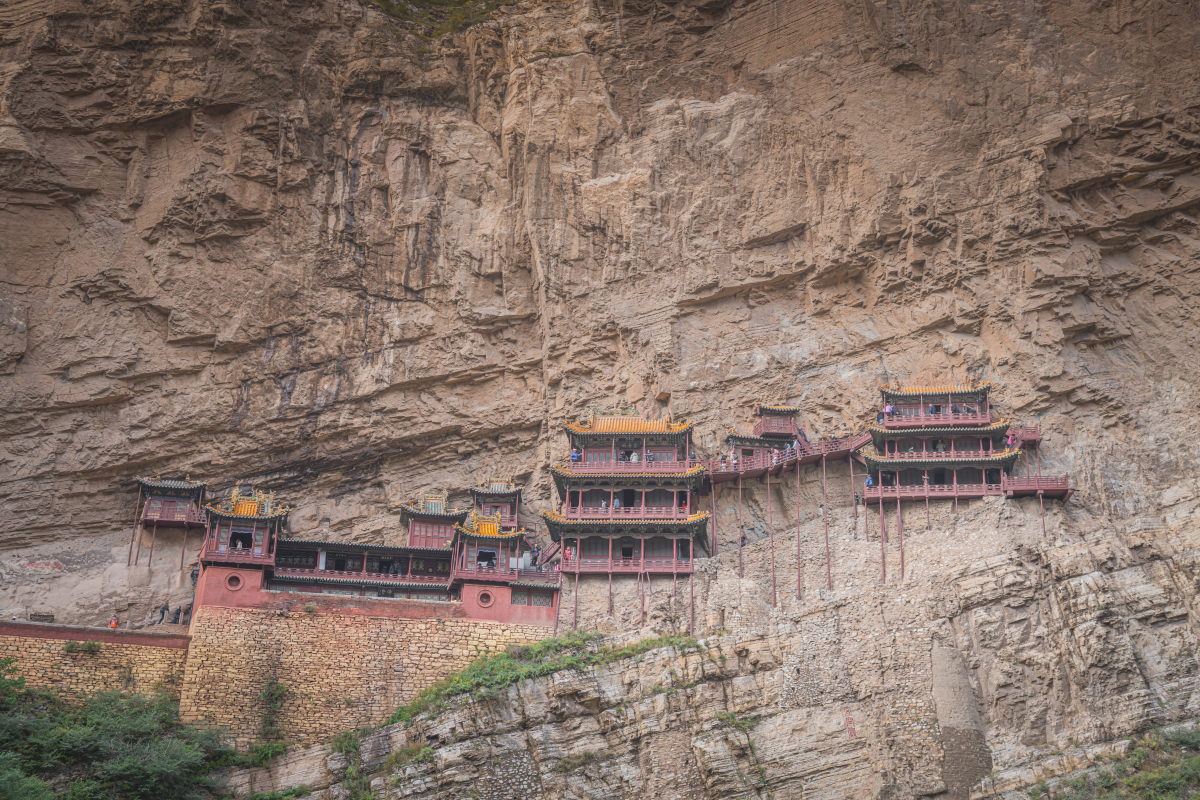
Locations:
{"points": [[498, 496], [431, 521], [494, 571], [167, 503], [243, 529], [946, 443], [628, 495]]}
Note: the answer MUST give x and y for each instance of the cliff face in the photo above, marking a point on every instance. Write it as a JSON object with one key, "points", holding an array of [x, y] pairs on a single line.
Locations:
{"points": [[297, 245]]}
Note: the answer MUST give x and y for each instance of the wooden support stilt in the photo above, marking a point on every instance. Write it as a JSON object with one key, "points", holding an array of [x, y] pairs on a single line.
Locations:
{"points": [[183, 552], [575, 619], [641, 602], [771, 534], [716, 545], [153, 534], [882, 532], [853, 490], [137, 522], [928, 521], [799, 561], [1042, 506], [741, 530], [558, 600], [692, 600], [825, 508], [900, 526]]}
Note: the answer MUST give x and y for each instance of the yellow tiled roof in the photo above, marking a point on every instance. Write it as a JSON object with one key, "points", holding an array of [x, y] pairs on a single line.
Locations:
{"points": [[627, 425], [953, 388]]}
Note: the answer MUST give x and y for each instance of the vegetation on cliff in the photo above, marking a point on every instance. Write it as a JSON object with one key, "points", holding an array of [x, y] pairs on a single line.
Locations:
{"points": [[114, 746], [492, 673]]}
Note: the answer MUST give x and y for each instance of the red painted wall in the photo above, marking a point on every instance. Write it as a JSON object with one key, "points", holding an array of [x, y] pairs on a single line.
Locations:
{"points": [[79, 633], [213, 590], [501, 608]]}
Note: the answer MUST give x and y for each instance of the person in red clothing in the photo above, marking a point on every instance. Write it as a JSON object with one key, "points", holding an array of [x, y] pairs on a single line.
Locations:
{"points": [[112, 623]]}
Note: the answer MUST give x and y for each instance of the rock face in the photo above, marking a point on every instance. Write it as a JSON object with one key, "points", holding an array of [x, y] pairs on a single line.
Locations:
{"points": [[295, 244]]}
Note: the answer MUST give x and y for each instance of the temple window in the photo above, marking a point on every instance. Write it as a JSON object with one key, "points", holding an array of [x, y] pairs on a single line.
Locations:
{"points": [[486, 558], [660, 498], [595, 547], [627, 549], [519, 598], [658, 547], [596, 496], [663, 453], [966, 444], [685, 548], [597, 455]]}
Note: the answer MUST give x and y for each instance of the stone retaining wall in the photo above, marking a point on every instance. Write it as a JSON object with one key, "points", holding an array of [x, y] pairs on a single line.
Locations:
{"points": [[341, 671], [131, 660]]}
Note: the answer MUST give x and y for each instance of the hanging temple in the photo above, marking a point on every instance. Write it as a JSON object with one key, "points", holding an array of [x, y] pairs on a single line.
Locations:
{"points": [[629, 496]]}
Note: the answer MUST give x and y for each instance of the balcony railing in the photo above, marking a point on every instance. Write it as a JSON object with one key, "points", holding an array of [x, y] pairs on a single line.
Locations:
{"points": [[933, 490], [593, 467], [250, 556], [925, 455], [589, 564], [942, 419], [186, 515], [482, 573], [285, 572], [776, 426], [625, 512], [1034, 483]]}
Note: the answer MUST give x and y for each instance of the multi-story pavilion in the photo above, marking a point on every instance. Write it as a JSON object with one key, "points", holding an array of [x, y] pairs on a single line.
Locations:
{"points": [[628, 495], [494, 572], [498, 496], [946, 443], [166, 503], [775, 429], [431, 521]]}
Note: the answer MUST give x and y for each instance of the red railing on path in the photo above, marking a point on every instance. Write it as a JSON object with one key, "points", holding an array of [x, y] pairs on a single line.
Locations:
{"points": [[285, 572], [626, 512], [897, 420], [590, 565], [594, 467], [768, 426], [189, 516]]}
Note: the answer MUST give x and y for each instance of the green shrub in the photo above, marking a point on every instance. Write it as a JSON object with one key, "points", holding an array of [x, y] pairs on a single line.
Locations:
{"points": [[287, 794], [346, 743], [261, 753], [732, 721], [309, 608], [1188, 738], [272, 699], [16, 785], [113, 745], [90, 648]]}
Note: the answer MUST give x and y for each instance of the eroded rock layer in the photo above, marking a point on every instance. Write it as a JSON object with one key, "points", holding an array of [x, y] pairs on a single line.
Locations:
{"points": [[298, 245]]}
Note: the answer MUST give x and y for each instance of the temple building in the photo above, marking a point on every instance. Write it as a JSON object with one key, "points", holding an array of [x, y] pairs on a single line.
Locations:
{"points": [[165, 503], [776, 429], [498, 496], [478, 565], [946, 442], [628, 492]]}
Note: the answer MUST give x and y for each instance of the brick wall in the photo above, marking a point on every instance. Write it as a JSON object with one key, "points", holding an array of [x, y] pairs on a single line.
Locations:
{"points": [[132, 660], [342, 671]]}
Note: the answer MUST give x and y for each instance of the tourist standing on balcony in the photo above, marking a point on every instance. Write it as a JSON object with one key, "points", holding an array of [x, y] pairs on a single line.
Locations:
{"points": [[162, 612], [112, 623], [649, 456], [869, 481], [575, 454]]}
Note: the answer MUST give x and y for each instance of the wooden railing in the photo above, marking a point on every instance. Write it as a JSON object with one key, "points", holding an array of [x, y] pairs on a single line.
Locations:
{"points": [[933, 490], [284, 572], [498, 573], [784, 426], [923, 455], [590, 564], [189, 516], [899, 420], [212, 551], [592, 467], [625, 512], [1045, 483], [788, 455]]}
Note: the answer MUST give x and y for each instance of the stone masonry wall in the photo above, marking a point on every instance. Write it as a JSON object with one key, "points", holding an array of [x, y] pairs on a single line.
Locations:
{"points": [[341, 672], [126, 660]]}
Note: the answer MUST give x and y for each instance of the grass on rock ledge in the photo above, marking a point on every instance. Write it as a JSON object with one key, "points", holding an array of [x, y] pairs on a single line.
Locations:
{"points": [[489, 675]]}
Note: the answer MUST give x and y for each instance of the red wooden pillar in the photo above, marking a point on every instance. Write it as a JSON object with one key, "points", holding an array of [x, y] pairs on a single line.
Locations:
{"points": [[882, 532], [853, 489], [928, 521], [575, 619], [825, 508], [771, 533], [674, 567], [799, 562], [610, 603], [137, 522], [183, 552], [153, 534], [715, 547], [691, 602], [900, 526], [741, 530], [557, 597]]}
